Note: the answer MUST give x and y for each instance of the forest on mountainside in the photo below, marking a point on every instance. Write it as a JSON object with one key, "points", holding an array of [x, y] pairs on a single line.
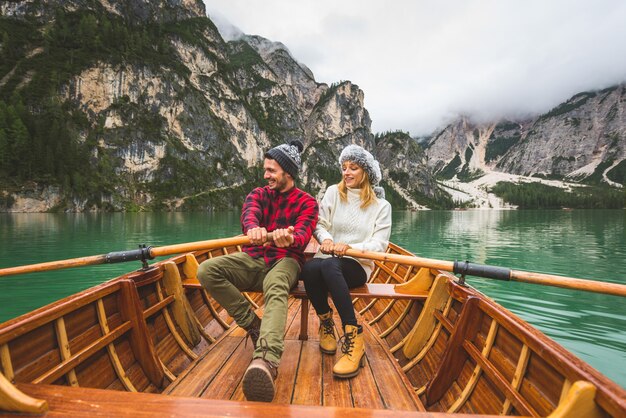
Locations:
{"points": [[39, 132], [541, 196]]}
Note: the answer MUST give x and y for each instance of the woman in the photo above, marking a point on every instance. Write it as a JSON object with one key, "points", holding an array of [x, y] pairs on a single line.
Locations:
{"points": [[353, 214]]}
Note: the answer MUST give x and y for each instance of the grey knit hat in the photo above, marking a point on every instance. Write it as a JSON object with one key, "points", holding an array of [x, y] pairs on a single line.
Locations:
{"points": [[287, 156], [366, 161]]}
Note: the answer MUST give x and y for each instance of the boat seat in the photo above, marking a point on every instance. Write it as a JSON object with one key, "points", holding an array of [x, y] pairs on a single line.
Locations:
{"points": [[367, 291]]}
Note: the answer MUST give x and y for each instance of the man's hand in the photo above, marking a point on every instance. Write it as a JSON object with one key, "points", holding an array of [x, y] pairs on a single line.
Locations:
{"points": [[283, 237], [257, 235], [340, 248], [327, 246]]}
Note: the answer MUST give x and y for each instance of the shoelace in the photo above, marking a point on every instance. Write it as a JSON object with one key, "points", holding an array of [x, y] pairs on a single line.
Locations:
{"points": [[329, 327], [264, 347], [347, 343]]}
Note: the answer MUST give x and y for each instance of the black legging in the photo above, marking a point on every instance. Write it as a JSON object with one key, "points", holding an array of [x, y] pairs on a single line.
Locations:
{"points": [[335, 275]]}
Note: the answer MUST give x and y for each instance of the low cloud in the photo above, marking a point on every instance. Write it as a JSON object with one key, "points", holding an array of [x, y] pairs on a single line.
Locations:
{"points": [[421, 63]]}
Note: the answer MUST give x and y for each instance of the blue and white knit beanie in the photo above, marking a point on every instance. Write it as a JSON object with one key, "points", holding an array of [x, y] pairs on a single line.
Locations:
{"points": [[366, 161], [287, 156]]}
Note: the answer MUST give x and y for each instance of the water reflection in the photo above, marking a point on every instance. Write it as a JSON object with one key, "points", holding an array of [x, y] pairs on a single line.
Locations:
{"points": [[518, 239]]}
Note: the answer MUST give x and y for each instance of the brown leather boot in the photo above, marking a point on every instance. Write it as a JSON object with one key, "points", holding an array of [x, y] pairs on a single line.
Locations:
{"points": [[254, 329], [258, 381], [328, 341], [353, 350]]}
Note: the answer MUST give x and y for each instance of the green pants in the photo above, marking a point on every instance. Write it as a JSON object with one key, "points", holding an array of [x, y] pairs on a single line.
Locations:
{"points": [[226, 276]]}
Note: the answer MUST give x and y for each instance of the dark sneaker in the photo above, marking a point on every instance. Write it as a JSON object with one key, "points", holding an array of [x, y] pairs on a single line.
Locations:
{"points": [[258, 381], [254, 329]]}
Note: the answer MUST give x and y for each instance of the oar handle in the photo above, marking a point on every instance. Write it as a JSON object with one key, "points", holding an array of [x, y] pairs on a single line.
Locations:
{"points": [[204, 245], [493, 272], [143, 253], [200, 245], [402, 259]]}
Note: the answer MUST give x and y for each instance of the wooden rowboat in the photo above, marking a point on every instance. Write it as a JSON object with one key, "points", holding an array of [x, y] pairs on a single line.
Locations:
{"points": [[153, 342]]}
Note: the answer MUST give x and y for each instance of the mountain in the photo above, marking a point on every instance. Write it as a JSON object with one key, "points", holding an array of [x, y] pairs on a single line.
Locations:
{"points": [[580, 142], [142, 105]]}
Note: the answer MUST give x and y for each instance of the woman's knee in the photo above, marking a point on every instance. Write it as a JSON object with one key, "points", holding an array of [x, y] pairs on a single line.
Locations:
{"points": [[330, 262], [330, 269], [310, 272]]}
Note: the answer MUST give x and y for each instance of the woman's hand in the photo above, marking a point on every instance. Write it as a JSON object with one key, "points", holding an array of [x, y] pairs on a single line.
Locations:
{"points": [[340, 249], [327, 246]]}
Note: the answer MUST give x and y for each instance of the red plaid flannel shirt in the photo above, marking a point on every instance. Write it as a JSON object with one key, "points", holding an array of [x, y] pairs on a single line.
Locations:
{"points": [[268, 208], [265, 207]]}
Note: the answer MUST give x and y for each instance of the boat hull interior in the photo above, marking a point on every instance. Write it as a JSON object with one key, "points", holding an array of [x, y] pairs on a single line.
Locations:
{"points": [[432, 346]]}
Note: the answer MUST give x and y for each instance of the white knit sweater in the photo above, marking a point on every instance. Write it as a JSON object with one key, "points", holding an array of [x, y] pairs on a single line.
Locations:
{"points": [[363, 229]]}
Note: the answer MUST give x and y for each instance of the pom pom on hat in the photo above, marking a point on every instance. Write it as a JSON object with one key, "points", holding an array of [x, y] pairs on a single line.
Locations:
{"points": [[287, 156], [366, 161]]}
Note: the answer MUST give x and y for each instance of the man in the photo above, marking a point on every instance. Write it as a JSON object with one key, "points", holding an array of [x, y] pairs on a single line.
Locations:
{"points": [[272, 267]]}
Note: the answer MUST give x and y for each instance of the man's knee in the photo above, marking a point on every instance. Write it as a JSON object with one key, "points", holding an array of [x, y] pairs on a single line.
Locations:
{"points": [[282, 278], [279, 284], [208, 272]]}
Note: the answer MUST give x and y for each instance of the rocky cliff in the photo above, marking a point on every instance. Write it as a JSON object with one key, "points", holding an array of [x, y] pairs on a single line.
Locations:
{"points": [[152, 109], [581, 140]]}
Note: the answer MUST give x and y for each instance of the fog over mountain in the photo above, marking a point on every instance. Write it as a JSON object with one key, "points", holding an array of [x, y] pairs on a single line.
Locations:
{"points": [[422, 63]]}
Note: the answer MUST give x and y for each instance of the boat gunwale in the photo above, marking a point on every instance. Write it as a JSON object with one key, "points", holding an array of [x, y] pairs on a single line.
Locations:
{"points": [[610, 396]]}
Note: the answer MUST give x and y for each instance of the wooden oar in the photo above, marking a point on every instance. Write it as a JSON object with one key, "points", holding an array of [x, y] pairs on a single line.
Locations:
{"points": [[480, 270], [143, 253], [492, 272]]}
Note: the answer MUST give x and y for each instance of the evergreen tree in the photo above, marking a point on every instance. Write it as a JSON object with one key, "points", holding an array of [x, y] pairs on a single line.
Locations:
{"points": [[88, 32], [4, 151], [3, 115], [20, 138], [5, 50]]}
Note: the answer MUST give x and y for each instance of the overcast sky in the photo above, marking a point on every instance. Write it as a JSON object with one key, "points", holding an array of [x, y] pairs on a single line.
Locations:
{"points": [[422, 62]]}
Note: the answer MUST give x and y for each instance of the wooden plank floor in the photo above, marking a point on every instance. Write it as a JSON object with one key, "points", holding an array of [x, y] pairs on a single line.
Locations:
{"points": [[305, 374]]}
